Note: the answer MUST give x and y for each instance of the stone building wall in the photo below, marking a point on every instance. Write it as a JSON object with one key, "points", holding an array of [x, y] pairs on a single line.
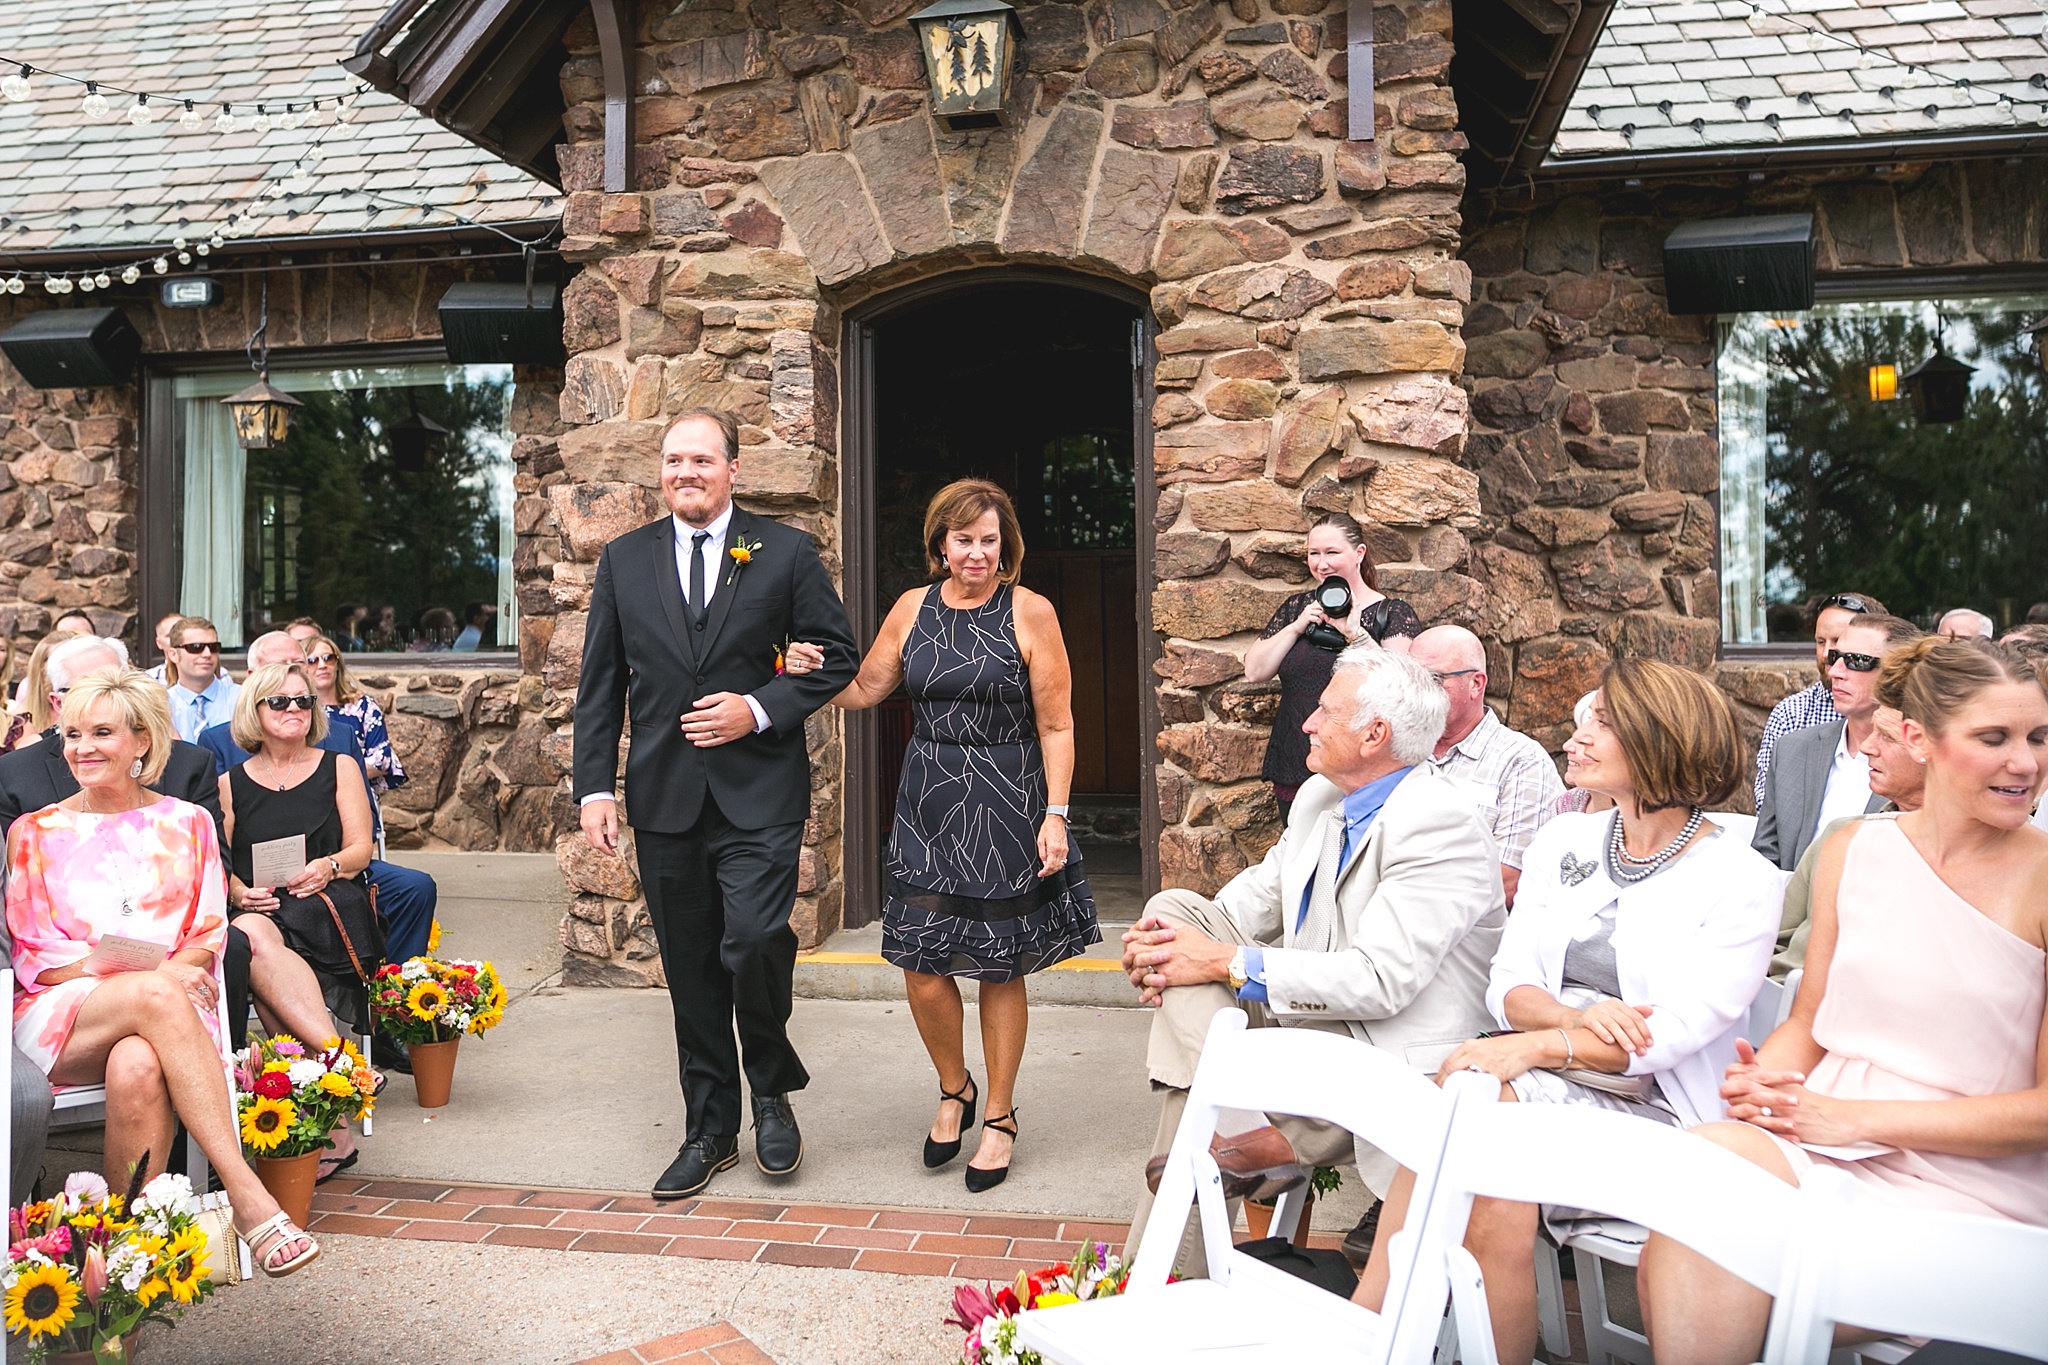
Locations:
{"points": [[1306, 290], [472, 740], [1594, 434]]}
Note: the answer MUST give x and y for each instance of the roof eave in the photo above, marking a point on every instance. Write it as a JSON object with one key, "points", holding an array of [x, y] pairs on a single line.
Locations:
{"points": [[527, 229], [1849, 152]]}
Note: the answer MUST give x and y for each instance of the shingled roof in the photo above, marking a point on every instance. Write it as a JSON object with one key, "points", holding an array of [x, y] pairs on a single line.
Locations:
{"points": [[1677, 76], [74, 183]]}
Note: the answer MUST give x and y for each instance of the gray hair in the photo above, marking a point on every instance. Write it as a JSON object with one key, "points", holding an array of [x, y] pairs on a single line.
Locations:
{"points": [[1980, 624], [274, 642], [62, 667], [1396, 689]]}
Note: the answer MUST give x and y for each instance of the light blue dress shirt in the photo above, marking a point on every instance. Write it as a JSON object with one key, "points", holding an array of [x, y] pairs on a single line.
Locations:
{"points": [[193, 713]]}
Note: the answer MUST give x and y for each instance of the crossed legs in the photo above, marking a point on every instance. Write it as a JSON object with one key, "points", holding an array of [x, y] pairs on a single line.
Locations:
{"points": [[941, 1021]]}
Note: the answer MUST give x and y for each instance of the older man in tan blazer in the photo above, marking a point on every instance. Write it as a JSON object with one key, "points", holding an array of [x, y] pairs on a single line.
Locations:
{"points": [[1376, 915]]}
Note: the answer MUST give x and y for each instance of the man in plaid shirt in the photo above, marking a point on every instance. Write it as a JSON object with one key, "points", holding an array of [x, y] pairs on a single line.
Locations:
{"points": [[1510, 777], [1815, 705]]}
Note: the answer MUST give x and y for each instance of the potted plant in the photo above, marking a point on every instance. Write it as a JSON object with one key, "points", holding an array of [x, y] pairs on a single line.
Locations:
{"points": [[429, 1005], [1259, 1217], [290, 1098], [87, 1268], [989, 1316]]}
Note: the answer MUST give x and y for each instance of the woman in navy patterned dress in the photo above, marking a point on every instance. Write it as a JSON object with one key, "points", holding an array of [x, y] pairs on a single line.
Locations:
{"points": [[981, 880]]}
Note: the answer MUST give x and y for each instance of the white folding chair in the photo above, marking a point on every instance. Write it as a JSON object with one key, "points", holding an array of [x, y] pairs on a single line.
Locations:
{"points": [[1246, 1310], [7, 1098], [1665, 1180], [1593, 1252], [1914, 1273]]}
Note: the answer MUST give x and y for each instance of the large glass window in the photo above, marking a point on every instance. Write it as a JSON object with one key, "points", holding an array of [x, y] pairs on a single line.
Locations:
{"points": [[386, 516], [1830, 480]]}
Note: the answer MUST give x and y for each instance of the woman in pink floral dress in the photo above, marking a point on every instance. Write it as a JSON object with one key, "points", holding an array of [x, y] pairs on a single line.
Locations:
{"points": [[117, 859]]}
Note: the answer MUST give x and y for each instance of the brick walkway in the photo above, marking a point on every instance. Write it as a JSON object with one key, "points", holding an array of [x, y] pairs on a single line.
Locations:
{"points": [[719, 1344]]}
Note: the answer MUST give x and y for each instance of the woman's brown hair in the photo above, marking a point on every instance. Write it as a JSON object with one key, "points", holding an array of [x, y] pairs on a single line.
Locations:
{"points": [[1354, 533], [961, 504], [1933, 678], [345, 689], [1677, 731]]}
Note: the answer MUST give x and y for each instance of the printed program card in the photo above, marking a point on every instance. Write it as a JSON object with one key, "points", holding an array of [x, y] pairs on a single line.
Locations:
{"points": [[274, 862], [114, 954]]}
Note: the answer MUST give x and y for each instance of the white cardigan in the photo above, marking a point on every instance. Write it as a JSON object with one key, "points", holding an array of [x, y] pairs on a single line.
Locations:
{"points": [[1692, 942]]}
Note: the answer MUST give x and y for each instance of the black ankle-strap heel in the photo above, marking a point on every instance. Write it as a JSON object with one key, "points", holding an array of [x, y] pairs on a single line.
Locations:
{"points": [[937, 1154], [979, 1180]]}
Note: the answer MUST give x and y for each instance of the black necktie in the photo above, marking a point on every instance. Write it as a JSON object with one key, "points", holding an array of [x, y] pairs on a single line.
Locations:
{"points": [[697, 574]]}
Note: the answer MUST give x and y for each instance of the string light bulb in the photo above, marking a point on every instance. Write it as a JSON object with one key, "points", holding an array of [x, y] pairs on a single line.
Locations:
{"points": [[191, 120], [261, 123], [139, 112], [13, 286], [50, 285], [103, 281], [95, 104], [184, 258], [289, 119], [15, 84], [159, 265], [85, 283], [130, 275], [224, 121]]}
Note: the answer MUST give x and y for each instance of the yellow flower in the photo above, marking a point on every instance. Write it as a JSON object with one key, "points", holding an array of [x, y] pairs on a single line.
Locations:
{"points": [[149, 1290], [266, 1123], [434, 938], [276, 1065], [42, 1301], [1054, 1300], [185, 1265], [427, 1000], [741, 554], [337, 1085]]}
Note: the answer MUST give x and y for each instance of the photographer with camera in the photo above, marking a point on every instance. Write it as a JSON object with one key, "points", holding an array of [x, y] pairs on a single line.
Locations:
{"points": [[1301, 643]]}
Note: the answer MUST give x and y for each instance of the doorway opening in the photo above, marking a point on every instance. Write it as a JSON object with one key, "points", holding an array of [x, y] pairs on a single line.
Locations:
{"points": [[1038, 384]]}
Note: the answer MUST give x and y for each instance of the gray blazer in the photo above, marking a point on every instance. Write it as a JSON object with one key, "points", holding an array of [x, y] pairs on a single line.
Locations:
{"points": [[1793, 790]]}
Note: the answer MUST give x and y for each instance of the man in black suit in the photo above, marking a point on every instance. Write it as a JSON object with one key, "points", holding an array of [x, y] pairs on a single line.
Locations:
{"points": [[37, 776], [688, 615]]}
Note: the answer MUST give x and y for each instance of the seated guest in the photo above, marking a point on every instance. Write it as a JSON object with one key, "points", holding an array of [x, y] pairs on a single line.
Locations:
{"points": [[1576, 797], [478, 617], [163, 643], [1827, 617], [1375, 916], [1820, 775], [1896, 778], [201, 695], [1914, 1059], [117, 857], [1629, 964], [78, 623], [382, 633], [345, 702], [29, 1110], [1964, 624], [437, 630], [405, 897], [302, 629], [1508, 775], [348, 626], [32, 716]]}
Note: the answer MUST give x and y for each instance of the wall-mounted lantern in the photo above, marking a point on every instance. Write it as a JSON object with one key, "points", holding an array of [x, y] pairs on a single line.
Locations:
{"points": [[1940, 386], [412, 440], [1884, 383], [968, 47], [262, 415]]}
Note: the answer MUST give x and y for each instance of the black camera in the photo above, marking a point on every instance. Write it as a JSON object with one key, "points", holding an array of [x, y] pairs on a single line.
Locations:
{"points": [[1334, 597]]}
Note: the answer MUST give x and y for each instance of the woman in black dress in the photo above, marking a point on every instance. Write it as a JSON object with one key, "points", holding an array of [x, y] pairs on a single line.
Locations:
{"points": [[981, 881], [1336, 546]]}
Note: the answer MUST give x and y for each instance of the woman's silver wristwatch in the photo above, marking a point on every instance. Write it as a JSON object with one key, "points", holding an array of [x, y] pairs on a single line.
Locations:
{"points": [[1060, 810]]}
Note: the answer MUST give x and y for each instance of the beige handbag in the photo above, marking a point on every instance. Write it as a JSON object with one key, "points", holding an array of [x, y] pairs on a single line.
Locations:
{"points": [[223, 1245]]}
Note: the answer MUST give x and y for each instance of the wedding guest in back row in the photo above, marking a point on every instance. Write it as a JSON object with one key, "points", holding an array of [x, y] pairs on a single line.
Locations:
{"points": [[1915, 1059], [345, 701], [982, 880], [201, 694], [1827, 617], [32, 715], [1639, 940], [1964, 624]]}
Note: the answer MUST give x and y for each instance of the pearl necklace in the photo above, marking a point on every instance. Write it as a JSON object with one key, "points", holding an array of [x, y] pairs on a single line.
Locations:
{"points": [[1626, 869]]}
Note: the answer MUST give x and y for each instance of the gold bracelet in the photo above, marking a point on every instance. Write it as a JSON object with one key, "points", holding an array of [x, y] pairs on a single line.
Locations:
{"points": [[1569, 1055]]}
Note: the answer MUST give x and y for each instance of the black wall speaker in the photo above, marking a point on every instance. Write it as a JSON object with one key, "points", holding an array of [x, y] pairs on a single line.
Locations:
{"points": [[1740, 265], [73, 348], [492, 324]]}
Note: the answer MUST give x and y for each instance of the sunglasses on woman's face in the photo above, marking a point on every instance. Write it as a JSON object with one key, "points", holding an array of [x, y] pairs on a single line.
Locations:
{"points": [[320, 660], [285, 702], [1855, 663], [202, 647]]}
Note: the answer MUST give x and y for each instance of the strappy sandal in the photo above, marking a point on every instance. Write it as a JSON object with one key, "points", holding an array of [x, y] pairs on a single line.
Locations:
{"points": [[273, 1234], [981, 1179], [332, 1166], [937, 1154]]}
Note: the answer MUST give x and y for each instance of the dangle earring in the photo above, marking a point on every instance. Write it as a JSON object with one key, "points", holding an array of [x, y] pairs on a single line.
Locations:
{"points": [[135, 768]]}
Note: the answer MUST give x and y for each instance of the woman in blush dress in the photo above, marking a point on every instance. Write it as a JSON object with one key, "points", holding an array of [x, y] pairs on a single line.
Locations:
{"points": [[1916, 1055], [119, 859], [981, 880]]}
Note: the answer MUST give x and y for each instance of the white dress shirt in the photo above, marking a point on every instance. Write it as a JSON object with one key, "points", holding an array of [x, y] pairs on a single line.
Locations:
{"points": [[1848, 790]]}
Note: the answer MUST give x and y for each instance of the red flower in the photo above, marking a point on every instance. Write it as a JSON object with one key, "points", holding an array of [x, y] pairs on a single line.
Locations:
{"points": [[274, 1085], [1006, 1301]]}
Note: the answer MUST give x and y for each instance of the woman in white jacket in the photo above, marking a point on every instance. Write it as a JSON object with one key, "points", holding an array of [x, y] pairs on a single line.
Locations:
{"points": [[1638, 940]]}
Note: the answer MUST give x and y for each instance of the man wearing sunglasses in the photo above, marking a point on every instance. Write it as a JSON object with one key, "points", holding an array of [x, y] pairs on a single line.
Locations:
{"points": [[203, 696], [1829, 617], [1821, 773]]}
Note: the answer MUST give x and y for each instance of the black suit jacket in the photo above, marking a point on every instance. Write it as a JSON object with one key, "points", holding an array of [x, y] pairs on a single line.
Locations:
{"points": [[38, 776], [641, 654]]}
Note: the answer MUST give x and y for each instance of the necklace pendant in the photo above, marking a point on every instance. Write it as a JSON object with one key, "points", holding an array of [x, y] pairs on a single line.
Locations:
{"points": [[127, 905]]}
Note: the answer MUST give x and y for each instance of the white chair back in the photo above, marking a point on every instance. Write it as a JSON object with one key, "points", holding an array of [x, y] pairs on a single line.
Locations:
{"points": [[1669, 1181], [7, 1098], [1325, 1076], [1912, 1272]]}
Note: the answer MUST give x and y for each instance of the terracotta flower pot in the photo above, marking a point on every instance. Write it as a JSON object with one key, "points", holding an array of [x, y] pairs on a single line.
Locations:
{"points": [[433, 1072], [290, 1182], [1259, 1217], [125, 1352]]}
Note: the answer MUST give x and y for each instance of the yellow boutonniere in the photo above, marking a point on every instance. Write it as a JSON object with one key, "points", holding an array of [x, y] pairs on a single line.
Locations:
{"points": [[742, 554]]}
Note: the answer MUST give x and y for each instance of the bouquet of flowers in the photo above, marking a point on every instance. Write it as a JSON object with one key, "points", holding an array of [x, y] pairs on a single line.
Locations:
{"points": [[88, 1267], [989, 1317], [426, 1001], [290, 1096]]}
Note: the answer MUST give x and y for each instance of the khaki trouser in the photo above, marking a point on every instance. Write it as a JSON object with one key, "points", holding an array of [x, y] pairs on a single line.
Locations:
{"points": [[1179, 1029]]}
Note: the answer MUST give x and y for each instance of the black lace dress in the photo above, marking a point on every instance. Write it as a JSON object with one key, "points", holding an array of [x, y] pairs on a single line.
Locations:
{"points": [[963, 894], [1304, 673]]}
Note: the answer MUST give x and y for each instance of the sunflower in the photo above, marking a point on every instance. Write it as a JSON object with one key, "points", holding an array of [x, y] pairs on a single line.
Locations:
{"points": [[427, 1000], [266, 1123], [150, 1290], [43, 1301], [184, 1265], [434, 938]]}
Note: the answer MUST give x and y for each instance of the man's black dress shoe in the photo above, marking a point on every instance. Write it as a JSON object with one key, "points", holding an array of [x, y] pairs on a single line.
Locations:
{"points": [[700, 1158], [388, 1054], [778, 1146]]}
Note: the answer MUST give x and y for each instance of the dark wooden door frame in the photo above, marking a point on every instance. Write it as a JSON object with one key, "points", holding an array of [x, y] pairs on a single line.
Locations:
{"points": [[860, 845]]}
